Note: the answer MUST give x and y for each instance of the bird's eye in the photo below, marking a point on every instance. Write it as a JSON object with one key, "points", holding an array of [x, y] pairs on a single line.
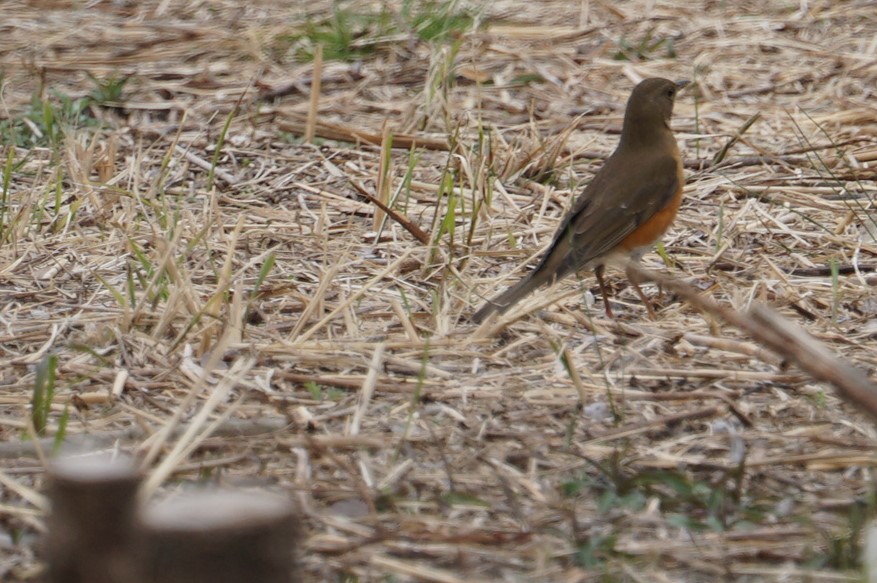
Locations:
{"points": [[671, 92]]}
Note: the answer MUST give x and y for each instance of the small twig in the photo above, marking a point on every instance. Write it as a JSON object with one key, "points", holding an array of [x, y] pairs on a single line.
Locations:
{"points": [[690, 395], [715, 373], [191, 439], [637, 428], [791, 156], [205, 165], [771, 87], [384, 178], [311, 124], [404, 221], [391, 268], [229, 428], [418, 571], [341, 133], [301, 83], [368, 389], [825, 270], [326, 279], [574, 376], [720, 155]]}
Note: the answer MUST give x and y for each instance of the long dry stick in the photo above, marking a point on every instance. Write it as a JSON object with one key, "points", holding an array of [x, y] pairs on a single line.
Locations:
{"points": [[782, 336]]}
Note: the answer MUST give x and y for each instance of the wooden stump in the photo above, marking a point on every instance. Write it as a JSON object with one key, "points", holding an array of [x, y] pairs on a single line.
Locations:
{"points": [[221, 537], [93, 522]]}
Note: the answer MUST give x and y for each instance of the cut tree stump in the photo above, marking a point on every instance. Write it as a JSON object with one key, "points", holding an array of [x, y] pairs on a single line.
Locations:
{"points": [[92, 529], [221, 537]]}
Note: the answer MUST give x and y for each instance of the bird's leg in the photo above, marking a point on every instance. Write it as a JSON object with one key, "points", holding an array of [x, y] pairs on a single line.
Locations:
{"points": [[598, 271], [634, 279]]}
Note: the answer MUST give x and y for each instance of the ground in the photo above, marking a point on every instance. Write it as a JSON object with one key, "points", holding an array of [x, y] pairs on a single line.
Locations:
{"points": [[186, 214]]}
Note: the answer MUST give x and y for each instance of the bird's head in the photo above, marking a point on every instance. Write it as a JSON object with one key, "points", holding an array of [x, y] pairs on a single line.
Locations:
{"points": [[651, 105]]}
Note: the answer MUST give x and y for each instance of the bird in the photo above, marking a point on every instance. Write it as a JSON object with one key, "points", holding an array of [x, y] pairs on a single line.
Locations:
{"points": [[626, 208]]}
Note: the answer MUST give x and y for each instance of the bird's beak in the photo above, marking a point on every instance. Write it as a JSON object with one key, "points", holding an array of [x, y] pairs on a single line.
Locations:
{"points": [[682, 83]]}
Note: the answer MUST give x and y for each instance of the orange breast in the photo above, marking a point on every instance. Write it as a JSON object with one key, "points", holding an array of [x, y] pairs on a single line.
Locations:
{"points": [[655, 226]]}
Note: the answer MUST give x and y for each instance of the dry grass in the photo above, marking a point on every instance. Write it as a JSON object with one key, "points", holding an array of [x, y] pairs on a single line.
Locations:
{"points": [[178, 283]]}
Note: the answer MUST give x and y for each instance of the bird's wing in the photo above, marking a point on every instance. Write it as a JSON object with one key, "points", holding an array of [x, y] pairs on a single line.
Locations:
{"points": [[616, 202]]}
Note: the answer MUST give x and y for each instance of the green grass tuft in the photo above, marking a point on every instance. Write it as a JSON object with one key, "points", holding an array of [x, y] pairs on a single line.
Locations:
{"points": [[436, 21], [43, 393], [647, 48]]}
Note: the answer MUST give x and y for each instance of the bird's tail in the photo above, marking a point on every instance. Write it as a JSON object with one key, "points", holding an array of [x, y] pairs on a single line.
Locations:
{"points": [[513, 295]]}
